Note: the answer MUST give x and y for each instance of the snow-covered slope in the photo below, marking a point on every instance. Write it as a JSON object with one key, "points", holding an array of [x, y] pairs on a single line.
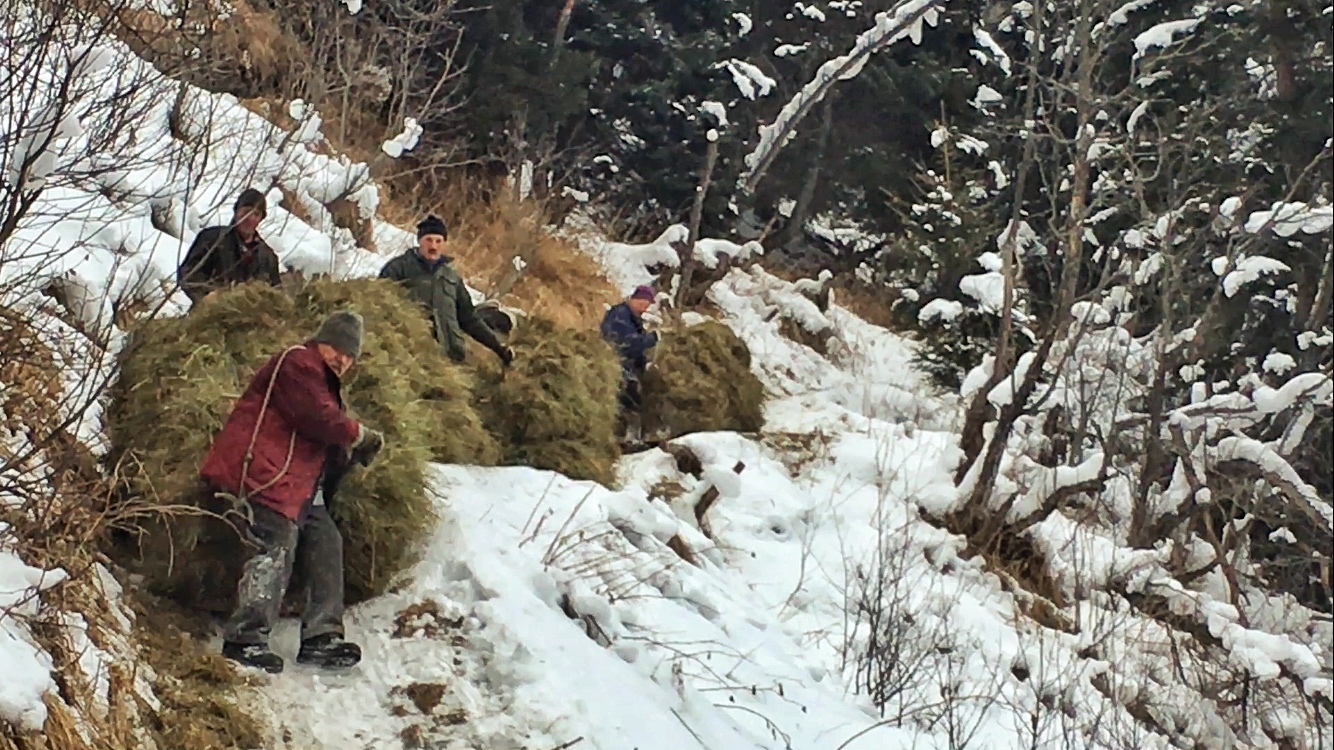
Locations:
{"points": [[756, 644], [724, 654], [567, 614], [820, 611]]}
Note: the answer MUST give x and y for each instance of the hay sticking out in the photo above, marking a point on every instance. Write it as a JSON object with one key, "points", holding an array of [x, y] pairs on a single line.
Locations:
{"points": [[702, 383], [198, 688], [180, 377], [403, 362], [556, 407]]}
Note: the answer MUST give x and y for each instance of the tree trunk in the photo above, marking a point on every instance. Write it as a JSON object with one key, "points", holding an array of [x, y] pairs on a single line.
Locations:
{"points": [[1318, 314], [980, 410], [806, 198], [696, 217], [562, 25]]}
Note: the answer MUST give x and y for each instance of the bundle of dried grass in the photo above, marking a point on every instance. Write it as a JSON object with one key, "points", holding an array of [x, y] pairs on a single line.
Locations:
{"points": [[702, 382], [556, 407], [180, 376]]}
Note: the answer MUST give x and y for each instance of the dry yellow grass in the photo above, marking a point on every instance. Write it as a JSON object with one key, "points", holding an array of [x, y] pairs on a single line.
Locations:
{"points": [[487, 232], [197, 689], [247, 48], [30, 382]]}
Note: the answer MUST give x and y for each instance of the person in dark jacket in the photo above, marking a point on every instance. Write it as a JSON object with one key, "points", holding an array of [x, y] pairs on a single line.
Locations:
{"points": [[623, 328], [278, 458], [224, 255], [431, 279]]}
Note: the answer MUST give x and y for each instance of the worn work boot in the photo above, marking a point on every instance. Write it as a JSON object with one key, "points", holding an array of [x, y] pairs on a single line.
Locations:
{"points": [[253, 655], [329, 650], [634, 429]]}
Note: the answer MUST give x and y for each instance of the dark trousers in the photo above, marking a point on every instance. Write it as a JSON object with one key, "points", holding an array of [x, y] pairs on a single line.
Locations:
{"points": [[315, 548], [630, 421], [631, 399]]}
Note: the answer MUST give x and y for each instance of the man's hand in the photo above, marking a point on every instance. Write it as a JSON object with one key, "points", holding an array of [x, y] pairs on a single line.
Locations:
{"points": [[211, 296], [506, 355], [368, 445]]}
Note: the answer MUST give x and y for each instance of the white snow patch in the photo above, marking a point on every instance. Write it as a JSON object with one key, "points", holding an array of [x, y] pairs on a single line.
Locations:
{"points": [[717, 109], [985, 40], [709, 251], [25, 666], [1287, 219], [1163, 35], [942, 309], [1279, 363], [750, 80], [1249, 269], [404, 141]]}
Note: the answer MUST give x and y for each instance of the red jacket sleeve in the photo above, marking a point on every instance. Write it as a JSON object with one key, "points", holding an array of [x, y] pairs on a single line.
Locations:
{"points": [[302, 397]]}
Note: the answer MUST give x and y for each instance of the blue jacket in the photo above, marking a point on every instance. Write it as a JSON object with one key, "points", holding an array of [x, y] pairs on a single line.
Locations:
{"points": [[625, 331]]}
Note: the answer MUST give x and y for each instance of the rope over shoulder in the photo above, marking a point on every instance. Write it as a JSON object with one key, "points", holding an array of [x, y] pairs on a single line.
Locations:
{"points": [[243, 494]]}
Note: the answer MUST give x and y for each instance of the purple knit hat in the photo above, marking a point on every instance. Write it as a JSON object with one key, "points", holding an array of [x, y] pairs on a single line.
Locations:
{"points": [[644, 292]]}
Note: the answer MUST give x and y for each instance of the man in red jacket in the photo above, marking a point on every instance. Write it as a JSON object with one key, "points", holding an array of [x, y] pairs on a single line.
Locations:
{"points": [[282, 452]]}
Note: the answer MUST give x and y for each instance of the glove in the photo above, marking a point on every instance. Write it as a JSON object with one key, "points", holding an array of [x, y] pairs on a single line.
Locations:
{"points": [[367, 447], [506, 355]]}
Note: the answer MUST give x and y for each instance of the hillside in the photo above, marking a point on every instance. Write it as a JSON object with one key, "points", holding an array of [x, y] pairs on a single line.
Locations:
{"points": [[1075, 499]]}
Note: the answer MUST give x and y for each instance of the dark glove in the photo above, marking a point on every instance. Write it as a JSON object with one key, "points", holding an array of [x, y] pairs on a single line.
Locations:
{"points": [[506, 355], [367, 447]]}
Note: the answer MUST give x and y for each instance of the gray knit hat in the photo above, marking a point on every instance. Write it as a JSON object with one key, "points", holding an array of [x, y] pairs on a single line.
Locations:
{"points": [[342, 330]]}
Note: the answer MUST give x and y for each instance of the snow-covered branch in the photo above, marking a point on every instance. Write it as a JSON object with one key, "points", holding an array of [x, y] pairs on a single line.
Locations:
{"points": [[1278, 472], [890, 26]]}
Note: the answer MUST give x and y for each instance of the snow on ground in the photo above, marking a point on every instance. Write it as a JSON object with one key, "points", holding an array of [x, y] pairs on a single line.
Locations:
{"points": [[104, 654], [26, 666], [546, 610], [692, 661], [114, 225], [753, 647]]}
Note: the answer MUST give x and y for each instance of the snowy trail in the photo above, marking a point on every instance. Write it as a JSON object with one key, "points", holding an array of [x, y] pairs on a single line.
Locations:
{"points": [[825, 613], [427, 679], [740, 651], [743, 650], [693, 661]]}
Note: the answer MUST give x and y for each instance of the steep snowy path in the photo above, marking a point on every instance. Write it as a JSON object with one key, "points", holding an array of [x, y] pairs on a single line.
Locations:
{"points": [[577, 620], [693, 660]]}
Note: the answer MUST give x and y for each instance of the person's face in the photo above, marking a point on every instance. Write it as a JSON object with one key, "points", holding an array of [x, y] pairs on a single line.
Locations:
{"points": [[432, 246], [638, 306], [247, 219], [337, 361]]}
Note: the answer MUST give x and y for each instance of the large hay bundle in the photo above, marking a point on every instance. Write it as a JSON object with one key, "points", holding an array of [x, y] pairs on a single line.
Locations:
{"points": [[702, 382], [556, 407], [180, 377]]}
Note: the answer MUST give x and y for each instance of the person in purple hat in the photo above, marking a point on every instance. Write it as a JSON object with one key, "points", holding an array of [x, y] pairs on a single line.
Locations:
{"points": [[623, 328]]}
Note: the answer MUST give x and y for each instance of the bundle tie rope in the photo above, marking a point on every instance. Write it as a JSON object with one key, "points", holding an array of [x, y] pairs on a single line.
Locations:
{"points": [[240, 502]]}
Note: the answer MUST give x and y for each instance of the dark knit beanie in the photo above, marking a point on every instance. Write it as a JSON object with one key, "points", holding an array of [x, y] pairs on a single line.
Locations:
{"points": [[644, 292], [252, 198], [432, 225], [342, 330]]}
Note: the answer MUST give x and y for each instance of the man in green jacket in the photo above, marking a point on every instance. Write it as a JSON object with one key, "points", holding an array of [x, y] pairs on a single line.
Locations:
{"points": [[431, 279]]}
